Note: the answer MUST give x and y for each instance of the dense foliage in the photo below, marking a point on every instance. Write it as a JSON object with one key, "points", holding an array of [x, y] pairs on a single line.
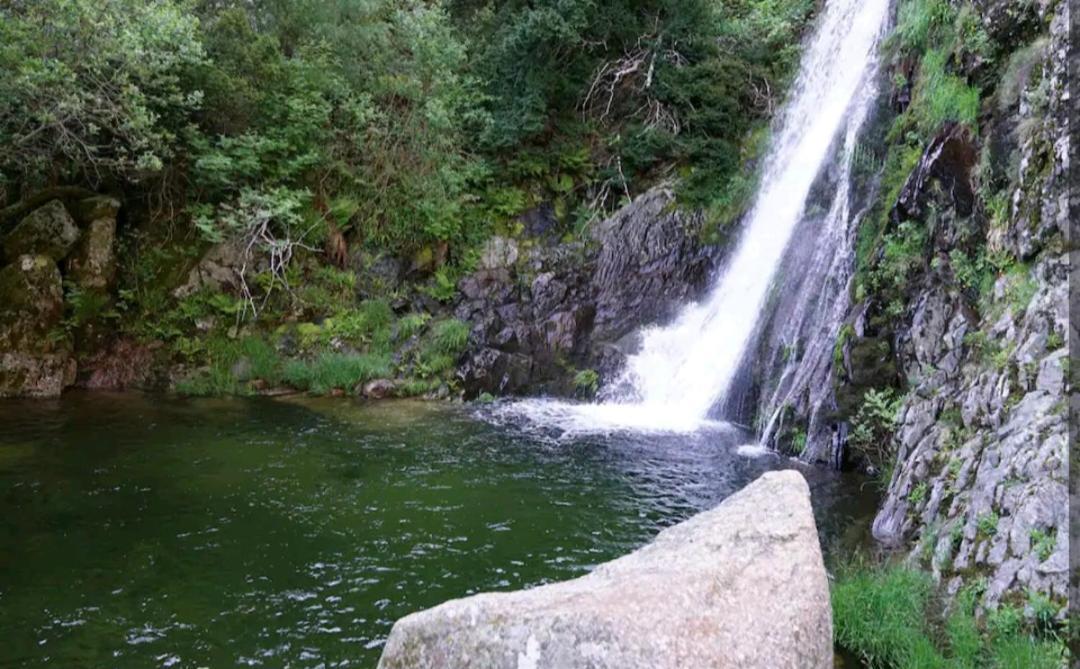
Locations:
{"points": [[400, 124]]}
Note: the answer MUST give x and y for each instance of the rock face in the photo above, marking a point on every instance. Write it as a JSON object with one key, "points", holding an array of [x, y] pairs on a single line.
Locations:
{"points": [[742, 586], [949, 160], [49, 231], [541, 311], [32, 362], [980, 484]]}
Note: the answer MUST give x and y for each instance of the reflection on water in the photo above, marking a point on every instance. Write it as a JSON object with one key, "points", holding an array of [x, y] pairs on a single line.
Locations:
{"points": [[143, 531]]}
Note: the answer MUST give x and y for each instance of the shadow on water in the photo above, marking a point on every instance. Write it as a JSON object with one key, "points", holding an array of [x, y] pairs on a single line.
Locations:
{"points": [[146, 531]]}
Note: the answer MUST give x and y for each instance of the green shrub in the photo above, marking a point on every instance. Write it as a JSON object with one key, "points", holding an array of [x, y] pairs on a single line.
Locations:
{"points": [[1020, 288], [587, 382], [418, 387], [1043, 543], [798, 442], [918, 493], [336, 371], [450, 337], [1022, 652], [873, 425], [263, 358], [885, 615], [940, 96], [411, 325], [987, 523], [880, 615], [921, 23]]}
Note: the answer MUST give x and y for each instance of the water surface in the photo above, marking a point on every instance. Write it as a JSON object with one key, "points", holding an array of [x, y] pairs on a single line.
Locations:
{"points": [[145, 531]]}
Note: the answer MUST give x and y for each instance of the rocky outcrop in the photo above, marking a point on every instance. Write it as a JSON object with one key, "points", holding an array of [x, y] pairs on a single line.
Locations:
{"points": [[650, 263], [948, 164], [541, 311], [48, 231], [123, 364], [742, 586], [46, 248], [980, 485], [34, 361], [93, 265]]}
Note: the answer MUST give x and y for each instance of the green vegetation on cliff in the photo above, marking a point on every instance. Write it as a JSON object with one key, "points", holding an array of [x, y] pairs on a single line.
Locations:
{"points": [[303, 140]]}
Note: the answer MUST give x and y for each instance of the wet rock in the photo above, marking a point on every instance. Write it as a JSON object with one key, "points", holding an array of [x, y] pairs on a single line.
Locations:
{"points": [[122, 365], [47, 231], [741, 586], [651, 262], [35, 356], [379, 389], [496, 372], [948, 161]]}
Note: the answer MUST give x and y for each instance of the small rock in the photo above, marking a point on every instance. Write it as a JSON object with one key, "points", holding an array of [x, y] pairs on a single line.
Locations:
{"points": [[379, 389], [499, 253]]}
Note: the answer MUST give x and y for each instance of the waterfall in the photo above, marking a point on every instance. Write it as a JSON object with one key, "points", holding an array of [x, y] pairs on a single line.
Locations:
{"points": [[686, 368]]}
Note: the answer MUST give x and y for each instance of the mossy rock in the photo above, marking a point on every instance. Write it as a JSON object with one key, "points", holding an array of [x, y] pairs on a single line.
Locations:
{"points": [[47, 231], [33, 362], [868, 363]]}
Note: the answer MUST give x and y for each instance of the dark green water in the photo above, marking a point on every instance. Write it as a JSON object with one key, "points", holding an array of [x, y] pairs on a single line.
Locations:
{"points": [[144, 531]]}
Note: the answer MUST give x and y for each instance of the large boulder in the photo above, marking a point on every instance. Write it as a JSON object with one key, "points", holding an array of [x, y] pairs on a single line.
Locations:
{"points": [[34, 361], [741, 586], [48, 231]]}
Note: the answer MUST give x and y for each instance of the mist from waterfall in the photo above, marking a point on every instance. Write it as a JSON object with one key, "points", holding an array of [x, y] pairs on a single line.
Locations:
{"points": [[684, 369]]}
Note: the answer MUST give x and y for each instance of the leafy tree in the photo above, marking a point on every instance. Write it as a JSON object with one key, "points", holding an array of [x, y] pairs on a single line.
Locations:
{"points": [[93, 90]]}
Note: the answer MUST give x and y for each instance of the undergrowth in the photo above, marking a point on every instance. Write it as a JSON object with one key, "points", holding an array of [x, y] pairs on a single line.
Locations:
{"points": [[891, 617]]}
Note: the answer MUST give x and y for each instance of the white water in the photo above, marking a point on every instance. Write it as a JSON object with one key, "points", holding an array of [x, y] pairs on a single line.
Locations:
{"points": [[684, 369]]}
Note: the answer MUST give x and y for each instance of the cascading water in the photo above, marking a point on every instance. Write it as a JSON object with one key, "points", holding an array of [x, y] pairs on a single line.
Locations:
{"points": [[684, 369]]}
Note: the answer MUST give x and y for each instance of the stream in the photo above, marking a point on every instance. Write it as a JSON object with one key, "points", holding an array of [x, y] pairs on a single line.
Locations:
{"points": [[151, 531]]}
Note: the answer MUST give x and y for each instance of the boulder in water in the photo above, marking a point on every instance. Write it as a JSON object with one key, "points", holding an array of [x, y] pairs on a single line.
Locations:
{"points": [[741, 586]]}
